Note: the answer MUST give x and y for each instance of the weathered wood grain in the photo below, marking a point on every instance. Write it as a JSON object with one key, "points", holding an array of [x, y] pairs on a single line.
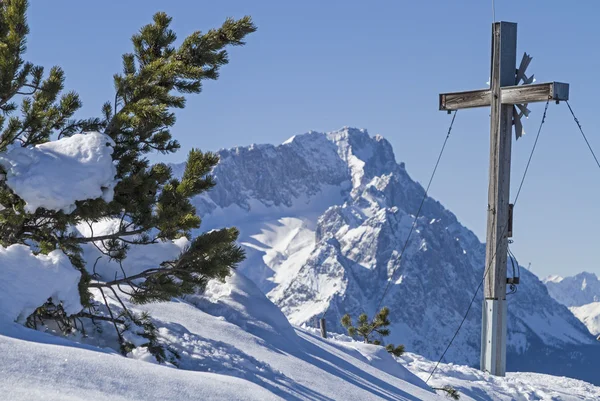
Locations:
{"points": [[509, 95]]}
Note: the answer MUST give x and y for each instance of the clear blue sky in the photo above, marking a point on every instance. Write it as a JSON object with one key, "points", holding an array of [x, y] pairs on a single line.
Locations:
{"points": [[378, 65]]}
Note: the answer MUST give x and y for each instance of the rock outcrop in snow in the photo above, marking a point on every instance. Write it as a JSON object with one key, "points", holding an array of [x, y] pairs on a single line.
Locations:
{"points": [[323, 218]]}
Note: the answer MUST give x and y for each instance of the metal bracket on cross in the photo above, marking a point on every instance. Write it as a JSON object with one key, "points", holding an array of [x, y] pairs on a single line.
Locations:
{"points": [[522, 108]]}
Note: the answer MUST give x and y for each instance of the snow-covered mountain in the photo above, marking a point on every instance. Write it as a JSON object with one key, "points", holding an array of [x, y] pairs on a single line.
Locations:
{"points": [[589, 315], [581, 293], [323, 218], [578, 290]]}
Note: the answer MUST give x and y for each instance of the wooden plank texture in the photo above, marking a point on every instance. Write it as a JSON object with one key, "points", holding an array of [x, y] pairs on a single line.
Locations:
{"points": [[504, 59], [535, 93], [509, 95], [465, 100]]}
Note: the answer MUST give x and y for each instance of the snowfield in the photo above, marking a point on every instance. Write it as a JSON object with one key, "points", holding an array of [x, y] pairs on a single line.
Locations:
{"points": [[38, 366], [236, 345], [516, 386]]}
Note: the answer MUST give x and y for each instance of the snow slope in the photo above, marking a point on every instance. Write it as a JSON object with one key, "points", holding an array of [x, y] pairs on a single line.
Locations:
{"points": [[234, 345], [474, 384], [37, 366], [323, 218], [589, 315]]}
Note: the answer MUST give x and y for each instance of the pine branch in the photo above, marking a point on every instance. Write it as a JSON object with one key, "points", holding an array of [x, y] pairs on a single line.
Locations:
{"points": [[98, 317], [116, 235]]}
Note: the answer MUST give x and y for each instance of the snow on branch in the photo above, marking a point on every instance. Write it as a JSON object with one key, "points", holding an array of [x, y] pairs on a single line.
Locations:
{"points": [[28, 281], [54, 175]]}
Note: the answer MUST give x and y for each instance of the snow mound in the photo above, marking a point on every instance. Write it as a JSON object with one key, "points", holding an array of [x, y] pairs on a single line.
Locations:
{"points": [[56, 174], [474, 384], [28, 280], [240, 302], [234, 330], [45, 368]]}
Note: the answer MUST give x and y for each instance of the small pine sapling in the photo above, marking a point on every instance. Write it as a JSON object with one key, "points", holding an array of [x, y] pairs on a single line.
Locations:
{"points": [[450, 391], [366, 329]]}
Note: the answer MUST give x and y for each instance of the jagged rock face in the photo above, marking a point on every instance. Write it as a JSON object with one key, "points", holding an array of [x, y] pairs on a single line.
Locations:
{"points": [[578, 290], [324, 218], [581, 293]]}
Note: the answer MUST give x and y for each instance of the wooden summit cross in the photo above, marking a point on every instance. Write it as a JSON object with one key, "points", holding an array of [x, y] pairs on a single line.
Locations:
{"points": [[504, 97]]}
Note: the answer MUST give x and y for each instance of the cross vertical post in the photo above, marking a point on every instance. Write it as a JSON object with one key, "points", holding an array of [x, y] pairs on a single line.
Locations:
{"points": [[508, 102], [493, 331]]}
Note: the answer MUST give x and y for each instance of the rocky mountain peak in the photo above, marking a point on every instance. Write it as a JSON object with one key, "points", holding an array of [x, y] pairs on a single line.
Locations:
{"points": [[324, 217]]}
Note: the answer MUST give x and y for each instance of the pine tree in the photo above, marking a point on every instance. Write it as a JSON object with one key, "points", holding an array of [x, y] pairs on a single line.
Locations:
{"points": [[450, 391], [367, 328], [149, 202]]}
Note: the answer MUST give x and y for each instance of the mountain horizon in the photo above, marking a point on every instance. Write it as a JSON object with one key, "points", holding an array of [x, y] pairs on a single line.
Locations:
{"points": [[323, 217]]}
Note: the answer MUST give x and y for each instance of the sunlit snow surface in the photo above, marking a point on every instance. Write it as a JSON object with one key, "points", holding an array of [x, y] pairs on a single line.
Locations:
{"points": [[28, 280], [236, 345], [589, 314], [516, 386]]}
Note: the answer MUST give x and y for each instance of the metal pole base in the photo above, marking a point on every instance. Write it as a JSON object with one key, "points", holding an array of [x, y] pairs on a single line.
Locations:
{"points": [[493, 337]]}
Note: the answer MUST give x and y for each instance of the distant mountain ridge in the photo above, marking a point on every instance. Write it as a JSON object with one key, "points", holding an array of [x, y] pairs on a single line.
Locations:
{"points": [[581, 293], [323, 218], [577, 290]]}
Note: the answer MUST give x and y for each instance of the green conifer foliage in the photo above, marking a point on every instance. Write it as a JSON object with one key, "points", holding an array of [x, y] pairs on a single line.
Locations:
{"points": [[450, 391], [367, 329], [150, 203]]}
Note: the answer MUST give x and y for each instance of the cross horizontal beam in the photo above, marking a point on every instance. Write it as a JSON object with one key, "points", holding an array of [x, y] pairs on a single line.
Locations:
{"points": [[509, 95]]}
